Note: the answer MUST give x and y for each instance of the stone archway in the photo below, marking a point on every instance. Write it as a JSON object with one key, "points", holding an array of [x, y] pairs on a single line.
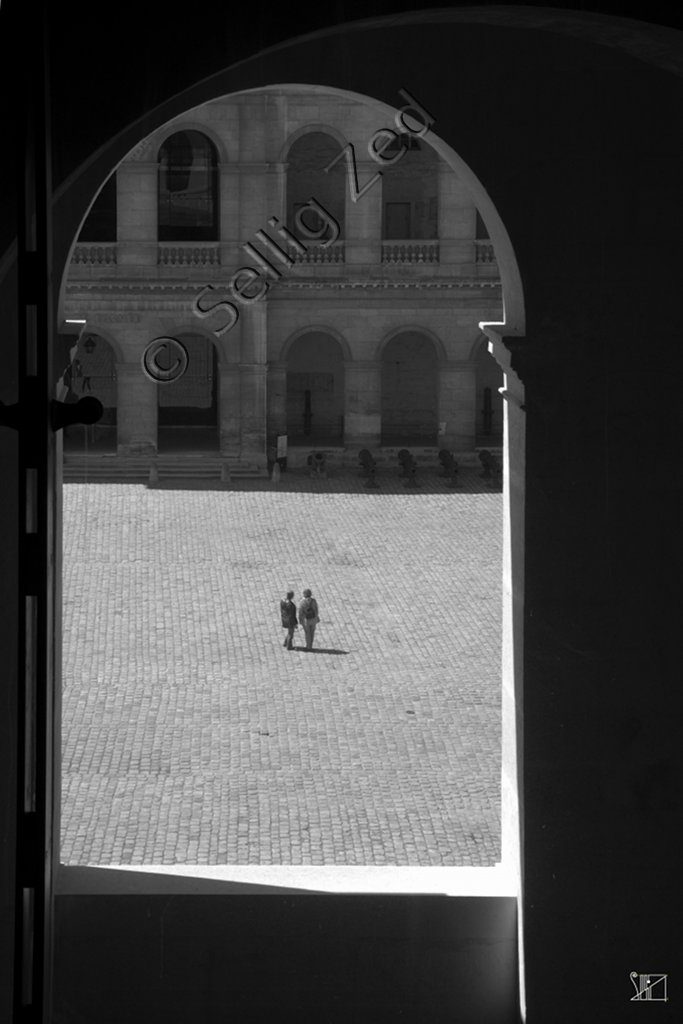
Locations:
{"points": [[409, 371], [368, 372], [315, 390], [188, 407]]}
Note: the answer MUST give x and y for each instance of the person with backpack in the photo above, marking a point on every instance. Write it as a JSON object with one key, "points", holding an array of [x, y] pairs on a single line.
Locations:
{"points": [[288, 615], [308, 617]]}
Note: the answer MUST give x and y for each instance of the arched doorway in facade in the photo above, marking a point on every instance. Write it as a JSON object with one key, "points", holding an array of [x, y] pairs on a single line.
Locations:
{"points": [[409, 390], [315, 390], [188, 407], [92, 372]]}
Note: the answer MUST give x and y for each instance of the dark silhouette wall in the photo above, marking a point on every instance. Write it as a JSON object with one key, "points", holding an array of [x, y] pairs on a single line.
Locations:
{"points": [[572, 123]]}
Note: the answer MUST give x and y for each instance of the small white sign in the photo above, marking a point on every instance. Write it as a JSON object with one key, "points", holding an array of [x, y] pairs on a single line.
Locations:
{"points": [[282, 446]]}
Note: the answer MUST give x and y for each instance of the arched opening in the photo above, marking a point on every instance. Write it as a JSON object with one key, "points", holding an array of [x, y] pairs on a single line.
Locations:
{"points": [[406, 396], [307, 159], [315, 390], [92, 371], [188, 188], [188, 407], [409, 390]]}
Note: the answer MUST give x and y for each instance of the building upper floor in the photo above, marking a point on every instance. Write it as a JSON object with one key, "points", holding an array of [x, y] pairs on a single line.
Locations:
{"points": [[318, 182]]}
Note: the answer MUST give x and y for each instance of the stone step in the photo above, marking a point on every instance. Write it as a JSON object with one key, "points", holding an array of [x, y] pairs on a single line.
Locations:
{"points": [[112, 468]]}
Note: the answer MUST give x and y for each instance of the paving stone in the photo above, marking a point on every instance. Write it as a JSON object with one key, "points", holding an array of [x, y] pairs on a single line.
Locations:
{"points": [[191, 736]]}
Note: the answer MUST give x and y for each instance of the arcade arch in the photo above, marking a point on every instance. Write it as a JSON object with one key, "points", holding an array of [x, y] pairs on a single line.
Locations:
{"points": [[315, 389], [187, 408], [188, 188], [409, 383], [92, 372]]}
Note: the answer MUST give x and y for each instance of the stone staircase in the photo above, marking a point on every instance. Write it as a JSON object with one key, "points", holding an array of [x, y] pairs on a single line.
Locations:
{"points": [[110, 467]]}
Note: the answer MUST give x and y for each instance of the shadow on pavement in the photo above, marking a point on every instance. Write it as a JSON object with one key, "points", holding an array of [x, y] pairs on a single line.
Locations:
{"points": [[319, 650], [82, 880]]}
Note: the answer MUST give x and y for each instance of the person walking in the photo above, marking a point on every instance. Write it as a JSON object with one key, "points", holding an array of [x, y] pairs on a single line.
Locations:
{"points": [[288, 615], [308, 617]]}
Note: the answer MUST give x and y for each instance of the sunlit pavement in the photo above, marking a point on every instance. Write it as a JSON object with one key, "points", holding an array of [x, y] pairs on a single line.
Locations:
{"points": [[191, 736]]}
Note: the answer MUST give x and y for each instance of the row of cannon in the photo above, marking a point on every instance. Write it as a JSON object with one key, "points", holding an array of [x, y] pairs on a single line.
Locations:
{"points": [[492, 469]]}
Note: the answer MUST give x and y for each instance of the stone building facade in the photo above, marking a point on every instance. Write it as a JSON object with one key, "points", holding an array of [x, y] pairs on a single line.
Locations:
{"points": [[325, 269]]}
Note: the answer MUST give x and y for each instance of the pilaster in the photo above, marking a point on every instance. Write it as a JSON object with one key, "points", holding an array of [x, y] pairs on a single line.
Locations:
{"points": [[137, 202], [277, 399], [456, 219], [363, 227], [253, 374], [253, 408], [229, 408], [229, 188], [136, 397]]}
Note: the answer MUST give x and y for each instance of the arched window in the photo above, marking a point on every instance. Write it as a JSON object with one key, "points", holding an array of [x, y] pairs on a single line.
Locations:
{"points": [[307, 177], [188, 189]]}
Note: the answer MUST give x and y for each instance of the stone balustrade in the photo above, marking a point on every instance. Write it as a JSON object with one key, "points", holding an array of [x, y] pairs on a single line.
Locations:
{"points": [[410, 251], [485, 252], [207, 255], [94, 254], [318, 253]]}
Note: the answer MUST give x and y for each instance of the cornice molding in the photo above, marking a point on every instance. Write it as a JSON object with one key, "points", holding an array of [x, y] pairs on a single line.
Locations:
{"points": [[191, 288]]}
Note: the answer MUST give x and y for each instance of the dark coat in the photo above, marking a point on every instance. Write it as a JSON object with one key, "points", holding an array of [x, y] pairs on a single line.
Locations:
{"points": [[288, 613]]}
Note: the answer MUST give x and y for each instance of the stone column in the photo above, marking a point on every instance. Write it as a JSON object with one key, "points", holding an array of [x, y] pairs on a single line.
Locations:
{"points": [[456, 219], [363, 227], [457, 405], [229, 408], [137, 206], [277, 400], [136, 415], [362, 403]]}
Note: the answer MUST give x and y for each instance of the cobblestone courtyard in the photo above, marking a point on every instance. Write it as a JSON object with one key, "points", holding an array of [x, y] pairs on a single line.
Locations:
{"points": [[191, 736]]}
